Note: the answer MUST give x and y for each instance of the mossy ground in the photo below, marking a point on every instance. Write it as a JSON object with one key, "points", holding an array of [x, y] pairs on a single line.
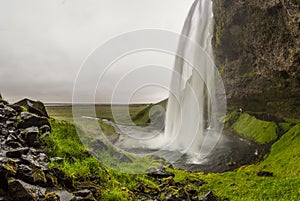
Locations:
{"points": [[255, 129], [241, 184]]}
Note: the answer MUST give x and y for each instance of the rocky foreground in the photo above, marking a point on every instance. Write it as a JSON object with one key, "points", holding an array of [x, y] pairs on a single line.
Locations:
{"points": [[24, 165]]}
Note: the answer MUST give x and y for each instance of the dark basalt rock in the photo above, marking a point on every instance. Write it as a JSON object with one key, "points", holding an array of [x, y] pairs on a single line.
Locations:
{"points": [[159, 172], [30, 135], [52, 196], [29, 120], [35, 107], [3, 181], [24, 173], [84, 195], [265, 174], [18, 190], [17, 153], [209, 197]]}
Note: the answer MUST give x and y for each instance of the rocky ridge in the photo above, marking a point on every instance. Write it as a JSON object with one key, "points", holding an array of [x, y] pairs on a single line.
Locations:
{"points": [[24, 165]]}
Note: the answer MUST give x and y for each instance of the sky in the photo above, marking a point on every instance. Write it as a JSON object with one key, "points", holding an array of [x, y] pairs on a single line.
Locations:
{"points": [[45, 43]]}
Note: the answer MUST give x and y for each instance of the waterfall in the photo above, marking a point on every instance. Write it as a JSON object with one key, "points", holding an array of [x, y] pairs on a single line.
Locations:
{"points": [[196, 102]]}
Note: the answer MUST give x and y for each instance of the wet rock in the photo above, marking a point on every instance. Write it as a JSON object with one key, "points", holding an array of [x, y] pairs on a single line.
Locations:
{"points": [[265, 174], [18, 190], [65, 195], [31, 136], [57, 159], [209, 197], [84, 195], [13, 144], [24, 173], [3, 181], [29, 120], [63, 179], [4, 132], [159, 172], [31, 175], [8, 112], [45, 129], [17, 153], [35, 107], [51, 196]]}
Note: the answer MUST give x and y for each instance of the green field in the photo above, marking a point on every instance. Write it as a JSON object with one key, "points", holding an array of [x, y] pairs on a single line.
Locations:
{"points": [[242, 184]]}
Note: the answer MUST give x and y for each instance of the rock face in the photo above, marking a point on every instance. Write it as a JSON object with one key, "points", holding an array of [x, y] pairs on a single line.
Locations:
{"points": [[24, 171], [257, 50]]}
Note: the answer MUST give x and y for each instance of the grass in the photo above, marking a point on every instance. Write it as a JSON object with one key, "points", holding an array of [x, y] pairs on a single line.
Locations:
{"points": [[260, 131], [241, 184], [244, 184], [101, 111]]}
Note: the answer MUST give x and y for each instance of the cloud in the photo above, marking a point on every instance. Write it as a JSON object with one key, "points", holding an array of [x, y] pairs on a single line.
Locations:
{"points": [[44, 43]]}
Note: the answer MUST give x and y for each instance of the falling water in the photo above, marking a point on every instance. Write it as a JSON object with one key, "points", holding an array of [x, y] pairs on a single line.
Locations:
{"points": [[193, 114]]}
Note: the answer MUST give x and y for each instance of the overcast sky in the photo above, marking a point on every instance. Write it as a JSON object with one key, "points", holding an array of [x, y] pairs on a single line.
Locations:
{"points": [[43, 43]]}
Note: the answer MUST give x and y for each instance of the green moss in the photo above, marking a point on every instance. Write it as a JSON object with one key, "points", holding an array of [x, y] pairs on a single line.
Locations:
{"points": [[242, 184], [255, 129], [115, 194], [284, 155]]}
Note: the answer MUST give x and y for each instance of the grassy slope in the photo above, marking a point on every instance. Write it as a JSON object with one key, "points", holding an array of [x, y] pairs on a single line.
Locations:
{"points": [[242, 184], [255, 129]]}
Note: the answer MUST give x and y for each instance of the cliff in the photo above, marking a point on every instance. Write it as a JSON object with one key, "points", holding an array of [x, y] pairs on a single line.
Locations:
{"points": [[257, 50]]}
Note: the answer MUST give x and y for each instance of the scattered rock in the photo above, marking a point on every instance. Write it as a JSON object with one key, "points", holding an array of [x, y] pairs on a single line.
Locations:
{"points": [[265, 174], [84, 195], [51, 196], [18, 190], [30, 135], [159, 172], [45, 129], [209, 197], [29, 120], [17, 153]]}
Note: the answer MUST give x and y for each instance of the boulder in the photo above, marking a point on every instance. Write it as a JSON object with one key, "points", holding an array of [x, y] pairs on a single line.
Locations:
{"points": [[29, 120], [24, 173], [18, 190], [3, 181], [35, 107], [17, 153], [30, 135], [84, 195], [45, 129]]}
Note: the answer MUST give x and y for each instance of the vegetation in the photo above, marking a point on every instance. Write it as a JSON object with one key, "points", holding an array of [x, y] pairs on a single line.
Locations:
{"points": [[241, 184], [260, 131]]}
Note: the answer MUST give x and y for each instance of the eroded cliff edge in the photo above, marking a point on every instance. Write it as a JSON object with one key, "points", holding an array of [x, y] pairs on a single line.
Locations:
{"points": [[257, 50]]}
